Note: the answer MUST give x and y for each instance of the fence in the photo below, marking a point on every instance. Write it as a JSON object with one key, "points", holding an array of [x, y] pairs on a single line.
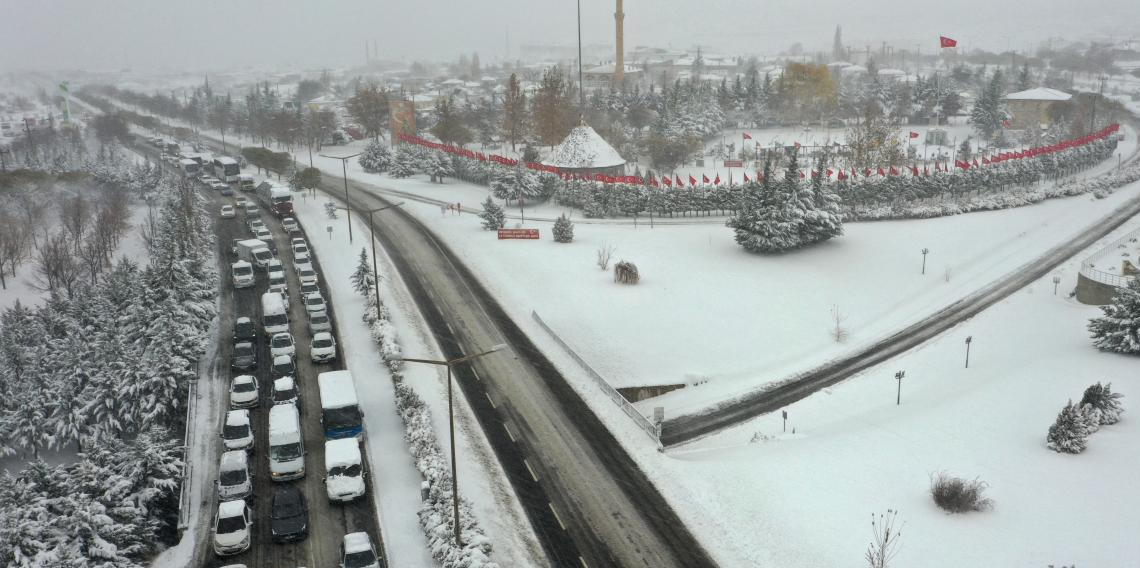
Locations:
{"points": [[187, 467], [638, 419], [1088, 265]]}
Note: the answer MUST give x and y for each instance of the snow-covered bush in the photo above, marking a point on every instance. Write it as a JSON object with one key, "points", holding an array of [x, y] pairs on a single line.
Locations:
{"points": [[625, 272], [376, 158], [1101, 397], [405, 163], [439, 167], [492, 215], [957, 495], [780, 216], [1069, 433], [563, 229]]}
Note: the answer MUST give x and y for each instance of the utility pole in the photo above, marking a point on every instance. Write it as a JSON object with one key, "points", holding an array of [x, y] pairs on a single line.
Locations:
{"points": [[344, 170], [372, 233], [581, 85], [924, 251]]}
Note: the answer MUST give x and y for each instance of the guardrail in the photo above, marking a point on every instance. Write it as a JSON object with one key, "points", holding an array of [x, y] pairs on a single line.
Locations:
{"points": [[187, 468], [1088, 265], [646, 425]]}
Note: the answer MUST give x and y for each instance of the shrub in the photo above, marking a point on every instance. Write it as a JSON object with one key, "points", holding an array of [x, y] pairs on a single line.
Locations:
{"points": [[563, 229], [1069, 433], [626, 273], [957, 495], [1101, 397], [493, 216]]}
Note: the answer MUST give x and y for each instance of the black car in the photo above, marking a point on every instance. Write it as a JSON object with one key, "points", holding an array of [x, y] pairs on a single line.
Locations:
{"points": [[244, 356], [244, 330], [289, 517]]}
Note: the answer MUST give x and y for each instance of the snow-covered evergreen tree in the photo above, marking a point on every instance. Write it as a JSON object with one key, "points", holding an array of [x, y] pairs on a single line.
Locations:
{"points": [[492, 215], [563, 229], [1069, 433], [1117, 329], [376, 158], [1106, 402], [439, 167], [404, 163], [362, 275]]}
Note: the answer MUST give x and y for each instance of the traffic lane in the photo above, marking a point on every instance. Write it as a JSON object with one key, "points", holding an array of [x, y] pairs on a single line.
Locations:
{"points": [[628, 516]]}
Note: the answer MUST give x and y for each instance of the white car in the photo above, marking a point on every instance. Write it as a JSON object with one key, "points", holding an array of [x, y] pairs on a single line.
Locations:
{"points": [[297, 241], [358, 552], [281, 344], [285, 392], [300, 253], [234, 481], [241, 273], [290, 224], [254, 224], [274, 269], [263, 234], [306, 274], [232, 528], [318, 322], [227, 212], [280, 287], [237, 434], [310, 288], [243, 391], [241, 201], [314, 303], [323, 347]]}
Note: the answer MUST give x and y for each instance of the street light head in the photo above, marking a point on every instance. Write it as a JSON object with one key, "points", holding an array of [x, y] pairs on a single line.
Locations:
{"points": [[969, 338]]}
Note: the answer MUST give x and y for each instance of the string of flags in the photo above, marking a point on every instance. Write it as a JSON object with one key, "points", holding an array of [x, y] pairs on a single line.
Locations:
{"points": [[841, 174]]}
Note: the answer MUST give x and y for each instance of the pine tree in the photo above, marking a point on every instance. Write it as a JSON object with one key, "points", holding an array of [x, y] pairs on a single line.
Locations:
{"points": [[563, 229], [1116, 330], [1101, 397], [362, 275], [987, 114], [1069, 433], [405, 163], [514, 111], [492, 215], [440, 167], [377, 157]]}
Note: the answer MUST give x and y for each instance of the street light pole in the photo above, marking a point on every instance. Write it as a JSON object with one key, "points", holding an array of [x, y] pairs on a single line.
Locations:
{"points": [[924, 252], [451, 426], [969, 339], [899, 377], [344, 169], [372, 237], [1056, 281]]}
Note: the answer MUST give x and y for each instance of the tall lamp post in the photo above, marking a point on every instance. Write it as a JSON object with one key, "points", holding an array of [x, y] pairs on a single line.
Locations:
{"points": [[451, 425], [924, 251], [969, 340], [1056, 281], [372, 235], [344, 169], [899, 377]]}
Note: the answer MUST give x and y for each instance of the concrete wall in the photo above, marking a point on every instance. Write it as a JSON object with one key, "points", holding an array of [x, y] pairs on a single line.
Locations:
{"points": [[1094, 293], [636, 394]]}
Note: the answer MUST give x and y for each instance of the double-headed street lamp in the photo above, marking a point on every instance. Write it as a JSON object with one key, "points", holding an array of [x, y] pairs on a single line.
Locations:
{"points": [[451, 424], [372, 234], [344, 169]]}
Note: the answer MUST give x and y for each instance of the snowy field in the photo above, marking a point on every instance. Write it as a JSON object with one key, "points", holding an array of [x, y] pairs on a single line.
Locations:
{"points": [[805, 499]]}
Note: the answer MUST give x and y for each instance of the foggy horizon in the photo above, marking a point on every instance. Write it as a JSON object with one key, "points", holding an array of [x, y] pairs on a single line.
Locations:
{"points": [[291, 33]]}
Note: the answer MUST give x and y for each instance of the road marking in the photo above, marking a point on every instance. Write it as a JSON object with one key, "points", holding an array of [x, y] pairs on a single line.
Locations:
{"points": [[509, 433], [556, 517], [530, 469], [451, 331], [583, 561], [473, 372], [488, 395]]}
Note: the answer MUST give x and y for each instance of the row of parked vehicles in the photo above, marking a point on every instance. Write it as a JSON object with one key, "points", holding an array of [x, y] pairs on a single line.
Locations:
{"points": [[341, 417]]}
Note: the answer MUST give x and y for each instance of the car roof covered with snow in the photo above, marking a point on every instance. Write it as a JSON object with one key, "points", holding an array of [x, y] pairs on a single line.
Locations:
{"points": [[231, 508], [342, 452], [234, 459], [244, 379], [357, 542], [237, 418], [282, 419], [284, 384]]}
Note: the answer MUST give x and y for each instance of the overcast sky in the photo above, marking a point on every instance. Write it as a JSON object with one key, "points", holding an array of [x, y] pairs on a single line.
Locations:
{"points": [[216, 34]]}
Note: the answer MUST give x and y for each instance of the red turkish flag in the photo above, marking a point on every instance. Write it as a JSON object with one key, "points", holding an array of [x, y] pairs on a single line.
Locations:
{"points": [[913, 134], [867, 172], [894, 172], [704, 178], [881, 172], [653, 181], [678, 180], [668, 180], [797, 144], [801, 174], [975, 162], [717, 180], [986, 161], [829, 172], [944, 41], [746, 180], [914, 171], [925, 171], [842, 176], [747, 136]]}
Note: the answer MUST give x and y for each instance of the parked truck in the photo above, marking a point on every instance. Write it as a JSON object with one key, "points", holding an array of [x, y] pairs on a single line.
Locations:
{"points": [[276, 197]]}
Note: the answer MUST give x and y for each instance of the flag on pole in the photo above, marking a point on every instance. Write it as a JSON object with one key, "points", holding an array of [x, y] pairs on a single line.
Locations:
{"points": [[717, 180], [881, 172], [894, 172], [801, 174], [747, 136], [913, 134], [704, 178], [668, 181], [692, 180], [746, 180], [652, 181], [944, 41]]}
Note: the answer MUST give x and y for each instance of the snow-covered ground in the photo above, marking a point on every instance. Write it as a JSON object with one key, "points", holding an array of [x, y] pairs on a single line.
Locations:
{"points": [[805, 499], [397, 481]]}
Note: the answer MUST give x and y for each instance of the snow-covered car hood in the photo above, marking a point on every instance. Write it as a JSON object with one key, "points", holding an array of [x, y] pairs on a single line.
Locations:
{"points": [[343, 486], [228, 540], [241, 489]]}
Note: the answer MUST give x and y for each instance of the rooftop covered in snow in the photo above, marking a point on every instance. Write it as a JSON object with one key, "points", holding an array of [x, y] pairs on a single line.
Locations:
{"points": [[584, 149], [1039, 94]]}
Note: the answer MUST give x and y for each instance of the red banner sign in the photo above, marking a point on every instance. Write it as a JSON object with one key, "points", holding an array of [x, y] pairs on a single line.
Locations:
{"points": [[733, 164], [518, 234]]}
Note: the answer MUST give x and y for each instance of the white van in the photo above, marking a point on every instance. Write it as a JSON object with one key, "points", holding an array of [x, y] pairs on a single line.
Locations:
{"points": [[274, 317], [286, 446], [344, 470], [233, 476], [245, 182], [242, 274]]}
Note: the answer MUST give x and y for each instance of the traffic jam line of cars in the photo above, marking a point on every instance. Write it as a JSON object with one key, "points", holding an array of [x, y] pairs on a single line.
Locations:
{"points": [[341, 417]]}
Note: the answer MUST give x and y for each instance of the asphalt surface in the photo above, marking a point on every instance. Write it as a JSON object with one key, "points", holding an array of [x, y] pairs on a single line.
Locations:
{"points": [[694, 426], [328, 522]]}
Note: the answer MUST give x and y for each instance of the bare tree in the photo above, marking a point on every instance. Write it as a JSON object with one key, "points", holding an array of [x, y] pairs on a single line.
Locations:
{"points": [[885, 543], [604, 253], [56, 268], [32, 209], [13, 245], [839, 332], [92, 255], [75, 215]]}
